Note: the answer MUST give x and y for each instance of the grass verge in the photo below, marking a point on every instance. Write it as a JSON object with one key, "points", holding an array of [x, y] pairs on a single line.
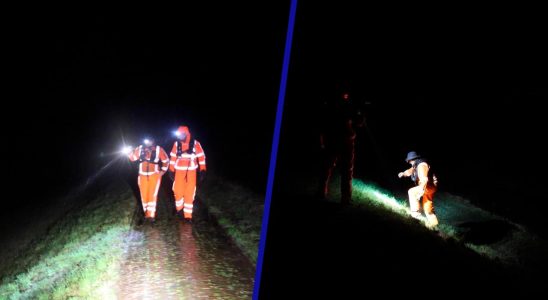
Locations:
{"points": [[237, 210], [78, 256]]}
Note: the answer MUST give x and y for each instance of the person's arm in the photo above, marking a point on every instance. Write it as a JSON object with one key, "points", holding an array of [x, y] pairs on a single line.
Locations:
{"points": [[134, 155], [406, 173], [165, 161], [200, 154], [173, 157]]}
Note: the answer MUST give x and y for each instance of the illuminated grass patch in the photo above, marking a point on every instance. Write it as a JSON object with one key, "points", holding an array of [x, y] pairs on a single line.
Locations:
{"points": [[238, 211], [369, 194], [78, 257], [490, 235]]}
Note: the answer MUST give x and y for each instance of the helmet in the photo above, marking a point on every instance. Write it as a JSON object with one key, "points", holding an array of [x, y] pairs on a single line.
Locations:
{"points": [[182, 133]]}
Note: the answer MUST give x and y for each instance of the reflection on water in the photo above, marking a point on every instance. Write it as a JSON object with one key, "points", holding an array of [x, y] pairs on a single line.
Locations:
{"points": [[173, 260]]}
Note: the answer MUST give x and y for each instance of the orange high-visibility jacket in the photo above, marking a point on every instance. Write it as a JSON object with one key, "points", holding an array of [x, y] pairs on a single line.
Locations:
{"points": [[189, 159], [147, 167]]}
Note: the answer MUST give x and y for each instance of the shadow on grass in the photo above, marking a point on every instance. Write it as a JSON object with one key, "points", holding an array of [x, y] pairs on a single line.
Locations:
{"points": [[485, 232]]}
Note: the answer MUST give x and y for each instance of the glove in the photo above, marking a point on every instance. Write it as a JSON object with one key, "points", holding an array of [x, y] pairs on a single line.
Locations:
{"points": [[201, 176]]}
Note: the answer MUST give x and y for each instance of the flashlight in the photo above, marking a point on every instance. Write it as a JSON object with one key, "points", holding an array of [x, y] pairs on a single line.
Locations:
{"points": [[177, 133], [126, 150], [147, 142]]}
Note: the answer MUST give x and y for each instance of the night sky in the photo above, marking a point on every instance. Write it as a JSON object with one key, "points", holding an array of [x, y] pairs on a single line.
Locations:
{"points": [[85, 80]]}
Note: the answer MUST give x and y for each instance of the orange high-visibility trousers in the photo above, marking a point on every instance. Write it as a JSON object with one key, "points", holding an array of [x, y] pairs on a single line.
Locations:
{"points": [[149, 185], [415, 196], [184, 190], [341, 154]]}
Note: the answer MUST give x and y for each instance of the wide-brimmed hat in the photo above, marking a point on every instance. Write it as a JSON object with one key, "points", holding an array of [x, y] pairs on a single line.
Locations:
{"points": [[412, 155]]}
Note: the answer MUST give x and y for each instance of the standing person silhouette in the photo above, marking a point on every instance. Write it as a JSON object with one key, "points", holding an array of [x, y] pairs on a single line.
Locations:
{"points": [[340, 116]]}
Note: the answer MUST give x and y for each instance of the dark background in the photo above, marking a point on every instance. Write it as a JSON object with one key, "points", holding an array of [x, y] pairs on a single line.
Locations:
{"points": [[85, 79], [463, 85]]}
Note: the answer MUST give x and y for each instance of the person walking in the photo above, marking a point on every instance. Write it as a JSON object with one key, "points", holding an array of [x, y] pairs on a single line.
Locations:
{"points": [[188, 161], [153, 164]]}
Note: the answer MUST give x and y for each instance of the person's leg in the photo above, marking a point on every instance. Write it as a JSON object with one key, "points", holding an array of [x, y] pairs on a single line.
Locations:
{"points": [[154, 183], [346, 165], [141, 181], [415, 194], [179, 185], [189, 194], [328, 160], [147, 185], [428, 205]]}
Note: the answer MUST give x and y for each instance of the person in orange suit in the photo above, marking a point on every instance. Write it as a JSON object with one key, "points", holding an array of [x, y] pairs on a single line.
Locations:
{"points": [[187, 159], [426, 186], [153, 164], [340, 117]]}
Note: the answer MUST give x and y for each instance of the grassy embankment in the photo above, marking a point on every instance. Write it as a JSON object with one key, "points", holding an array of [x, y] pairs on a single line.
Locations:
{"points": [[237, 210], [488, 234], [80, 254]]}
